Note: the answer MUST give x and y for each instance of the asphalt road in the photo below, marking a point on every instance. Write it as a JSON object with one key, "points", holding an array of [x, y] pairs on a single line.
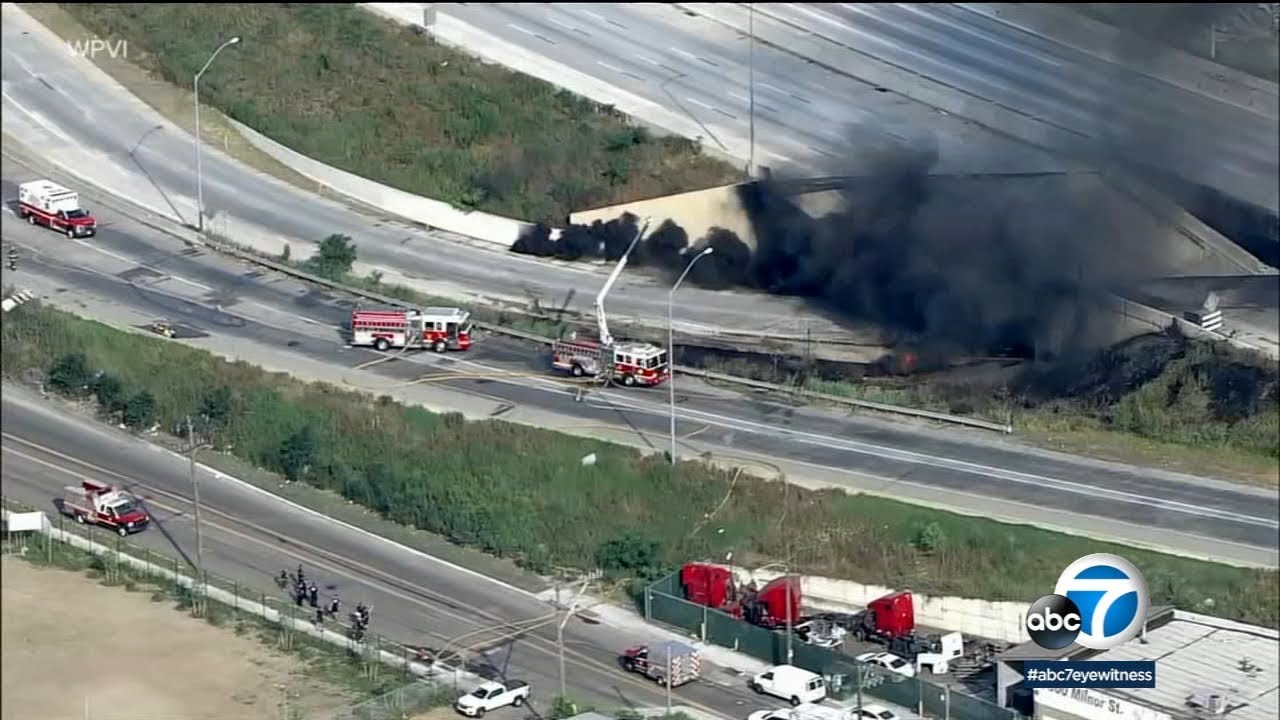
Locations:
{"points": [[251, 535], [131, 267], [802, 106], [807, 118], [58, 104]]}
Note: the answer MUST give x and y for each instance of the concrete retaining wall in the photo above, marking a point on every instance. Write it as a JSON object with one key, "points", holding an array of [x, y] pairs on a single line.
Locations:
{"points": [[697, 212], [992, 620], [432, 213]]}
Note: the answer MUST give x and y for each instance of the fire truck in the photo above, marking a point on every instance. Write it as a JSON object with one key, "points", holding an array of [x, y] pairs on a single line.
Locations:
{"points": [[102, 504], [47, 203], [438, 328], [630, 363]]}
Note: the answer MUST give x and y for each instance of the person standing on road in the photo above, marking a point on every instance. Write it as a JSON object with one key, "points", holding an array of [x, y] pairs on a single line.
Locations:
{"points": [[314, 592]]}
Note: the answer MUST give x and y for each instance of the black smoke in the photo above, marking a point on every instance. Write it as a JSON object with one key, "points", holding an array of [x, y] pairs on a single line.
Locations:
{"points": [[947, 264]]}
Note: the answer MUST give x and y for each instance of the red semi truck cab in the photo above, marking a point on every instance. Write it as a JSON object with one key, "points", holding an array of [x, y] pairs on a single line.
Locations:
{"points": [[44, 202]]}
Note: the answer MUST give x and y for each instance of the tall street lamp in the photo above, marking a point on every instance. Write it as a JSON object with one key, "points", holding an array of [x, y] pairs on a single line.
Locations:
{"points": [[671, 345], [199, 173]]}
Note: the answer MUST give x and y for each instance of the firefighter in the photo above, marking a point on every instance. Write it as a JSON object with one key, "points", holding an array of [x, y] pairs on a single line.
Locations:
{"points": [[13, 258], [334, 605], [314, 593], [302, 578], [283, 580], [318, 620]]}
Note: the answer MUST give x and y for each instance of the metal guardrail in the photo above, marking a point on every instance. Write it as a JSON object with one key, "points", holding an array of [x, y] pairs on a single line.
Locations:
{"points": [[192, 236], [693, 372]]}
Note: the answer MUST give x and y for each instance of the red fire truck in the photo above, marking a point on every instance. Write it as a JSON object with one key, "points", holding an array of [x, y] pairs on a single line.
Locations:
{"points": [[631, 363], [46, 203], [102, 504], [438, 328]]}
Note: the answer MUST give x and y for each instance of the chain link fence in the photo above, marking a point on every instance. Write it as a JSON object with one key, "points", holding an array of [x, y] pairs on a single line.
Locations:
{"points": [[221, 600], [847, 679]]}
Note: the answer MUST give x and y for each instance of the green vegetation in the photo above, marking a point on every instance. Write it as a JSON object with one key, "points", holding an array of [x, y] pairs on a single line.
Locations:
{"points": [[1159, 393], [361, 93], [363, 676], [522, 493]]}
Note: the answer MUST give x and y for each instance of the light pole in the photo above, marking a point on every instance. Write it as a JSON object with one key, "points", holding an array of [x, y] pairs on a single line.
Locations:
{"points": [[671, 345], [751, 90], [199, 169]]}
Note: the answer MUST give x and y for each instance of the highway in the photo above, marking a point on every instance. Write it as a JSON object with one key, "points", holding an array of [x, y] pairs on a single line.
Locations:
{"points": [[1101, 106], [251, 535], [132, 273], [70, 112]]}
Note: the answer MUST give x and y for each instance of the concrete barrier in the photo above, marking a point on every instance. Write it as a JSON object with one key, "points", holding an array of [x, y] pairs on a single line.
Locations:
{"points": [[988, 619], [432, 213]]}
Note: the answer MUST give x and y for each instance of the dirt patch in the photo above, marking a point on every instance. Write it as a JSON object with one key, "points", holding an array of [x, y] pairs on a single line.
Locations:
{"points": [[79, 650]]}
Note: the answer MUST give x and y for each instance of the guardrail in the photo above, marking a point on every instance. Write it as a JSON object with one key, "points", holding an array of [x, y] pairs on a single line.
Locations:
{"points": [[693, 372]]}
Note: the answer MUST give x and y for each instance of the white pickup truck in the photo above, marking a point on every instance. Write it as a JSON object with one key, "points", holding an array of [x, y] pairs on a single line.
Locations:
{"points": [[491, 696]]}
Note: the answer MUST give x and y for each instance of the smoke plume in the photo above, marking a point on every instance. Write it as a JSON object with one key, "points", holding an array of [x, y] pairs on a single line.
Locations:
{"points": [[949, 264]]}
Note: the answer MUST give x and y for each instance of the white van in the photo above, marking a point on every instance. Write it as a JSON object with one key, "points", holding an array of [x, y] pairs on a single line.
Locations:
{"points": [[791, 683]]}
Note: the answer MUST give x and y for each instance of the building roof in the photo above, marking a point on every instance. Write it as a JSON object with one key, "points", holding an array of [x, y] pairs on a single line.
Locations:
{"points": [[1194, 654], [1200, 654]]}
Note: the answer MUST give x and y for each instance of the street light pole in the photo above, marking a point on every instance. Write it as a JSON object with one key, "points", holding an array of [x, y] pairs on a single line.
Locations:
{"points": [[751, 89], [671, 345], [199, 168]]}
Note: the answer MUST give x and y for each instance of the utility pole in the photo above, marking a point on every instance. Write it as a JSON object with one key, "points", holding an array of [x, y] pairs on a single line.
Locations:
{"points": [[667, 678], [751, 89], [573, 607], [195, 492]]}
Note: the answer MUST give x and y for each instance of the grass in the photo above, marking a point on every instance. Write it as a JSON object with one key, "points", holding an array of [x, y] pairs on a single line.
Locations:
{"points": [[1158, 400], [361, 93], [364, 678], [521, 494]]}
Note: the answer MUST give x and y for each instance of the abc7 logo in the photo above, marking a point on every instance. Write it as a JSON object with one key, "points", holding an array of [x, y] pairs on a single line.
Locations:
{"points": [[1114, 595]]}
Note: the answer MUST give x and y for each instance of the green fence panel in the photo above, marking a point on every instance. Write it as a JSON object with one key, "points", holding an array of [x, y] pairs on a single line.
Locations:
{"points": [[673, 611], [968, 707]]}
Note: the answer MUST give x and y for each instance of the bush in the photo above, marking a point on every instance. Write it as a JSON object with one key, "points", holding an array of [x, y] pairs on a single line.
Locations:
{"points": [[69, 375], [140, 411], [358, 92], [334, 259], [522, 492]]}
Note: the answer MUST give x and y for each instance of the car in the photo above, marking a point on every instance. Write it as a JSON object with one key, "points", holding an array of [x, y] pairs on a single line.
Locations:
{"points": [[889, 662], [876, 712], [491, 696]]}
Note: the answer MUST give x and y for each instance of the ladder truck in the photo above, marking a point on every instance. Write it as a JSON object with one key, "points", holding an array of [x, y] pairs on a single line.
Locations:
{"points": [[630, 363]]}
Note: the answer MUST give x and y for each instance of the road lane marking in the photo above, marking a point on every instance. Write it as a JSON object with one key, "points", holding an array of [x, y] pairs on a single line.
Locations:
{"points": [[615, 401], [352, 569]]}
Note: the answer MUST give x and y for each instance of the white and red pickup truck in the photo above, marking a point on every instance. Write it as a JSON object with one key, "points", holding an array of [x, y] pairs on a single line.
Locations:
{"points": [[101, 504], [44, 202]]}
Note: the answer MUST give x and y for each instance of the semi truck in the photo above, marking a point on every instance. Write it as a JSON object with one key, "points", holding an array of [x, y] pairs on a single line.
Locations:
{"points": [[44, 202]]}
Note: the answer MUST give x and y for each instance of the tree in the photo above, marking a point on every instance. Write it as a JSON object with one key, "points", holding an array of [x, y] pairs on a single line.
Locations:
{"points": [[335, 258], [140, 411], [298, 453], [215, 407], [631, 554], [70, 374], [110, 394]]}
